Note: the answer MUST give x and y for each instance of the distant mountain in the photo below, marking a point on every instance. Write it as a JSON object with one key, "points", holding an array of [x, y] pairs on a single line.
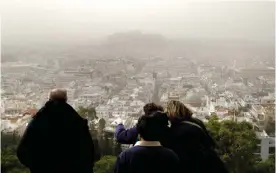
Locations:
{"points": [[134, 43], [138, 45]]}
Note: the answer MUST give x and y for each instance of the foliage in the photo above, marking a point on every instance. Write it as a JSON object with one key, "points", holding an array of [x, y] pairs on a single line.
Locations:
{"points": [[9, 161], [270, 127], [267, 166], [213, 114], [105, 165], [9, 139], [88, 112], [237, 143], [102, 124]]}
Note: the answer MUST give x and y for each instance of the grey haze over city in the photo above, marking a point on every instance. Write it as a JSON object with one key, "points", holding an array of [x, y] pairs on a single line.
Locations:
{"points": [[70, 20], [217, 57]]}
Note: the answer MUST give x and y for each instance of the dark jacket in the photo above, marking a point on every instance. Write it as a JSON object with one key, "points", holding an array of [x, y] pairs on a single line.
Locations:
{"points": [[194, 147], [208, 140], [57, 140], [147, 159]]}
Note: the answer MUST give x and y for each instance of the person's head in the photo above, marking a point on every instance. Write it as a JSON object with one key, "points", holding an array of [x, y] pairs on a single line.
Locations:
{"points": [[176, 109], [152, 107], [58, 94], [152, 127], [160, 108]]}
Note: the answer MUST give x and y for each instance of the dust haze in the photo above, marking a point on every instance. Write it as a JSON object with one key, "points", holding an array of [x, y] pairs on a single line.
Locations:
{"points": [[198, 29], [83, 20]]}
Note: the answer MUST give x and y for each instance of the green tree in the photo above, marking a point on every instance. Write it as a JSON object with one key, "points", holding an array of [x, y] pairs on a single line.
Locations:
{"points": [[101, 124], [270, 126], [237, 143], [267, 166], [105, 165], [9, 161], [88, 112]]}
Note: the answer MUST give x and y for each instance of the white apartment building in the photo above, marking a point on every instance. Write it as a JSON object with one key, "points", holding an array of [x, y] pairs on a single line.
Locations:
{"points": [[266, 146]]}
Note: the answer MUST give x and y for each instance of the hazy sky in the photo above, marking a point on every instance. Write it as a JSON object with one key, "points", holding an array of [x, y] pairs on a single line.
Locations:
{"points": [[84, 19]]}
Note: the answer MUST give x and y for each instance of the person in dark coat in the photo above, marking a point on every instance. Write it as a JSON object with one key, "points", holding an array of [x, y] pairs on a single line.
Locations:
{"points": [[148, 156], [57, 140], [129, 136], [190, 140]]}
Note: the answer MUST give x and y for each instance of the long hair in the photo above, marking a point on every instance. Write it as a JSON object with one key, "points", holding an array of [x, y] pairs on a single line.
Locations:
{"points": [[177, 109]]}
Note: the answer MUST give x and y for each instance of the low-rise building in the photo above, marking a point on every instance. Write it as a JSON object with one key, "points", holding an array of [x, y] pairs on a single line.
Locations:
{"points": [[266, 145]]}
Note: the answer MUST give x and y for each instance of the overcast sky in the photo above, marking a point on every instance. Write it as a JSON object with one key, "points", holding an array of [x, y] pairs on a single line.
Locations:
{"points": [[86, 19]]}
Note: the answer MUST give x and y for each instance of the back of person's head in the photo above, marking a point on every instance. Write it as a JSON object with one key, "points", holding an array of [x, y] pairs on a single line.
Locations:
{"points": [[152, 127], [58, 94], [152, 107], [160, 108], [161, 117], [176, 109]]}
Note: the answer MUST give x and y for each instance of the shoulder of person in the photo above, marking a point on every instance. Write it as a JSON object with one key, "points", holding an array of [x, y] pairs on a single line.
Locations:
{"points": [[132, 150], [196, 120], [201, 124], [84, 121], [168, 151], [31, 123], [39, 112], [133, 129], [170, 154], [123, 155]]}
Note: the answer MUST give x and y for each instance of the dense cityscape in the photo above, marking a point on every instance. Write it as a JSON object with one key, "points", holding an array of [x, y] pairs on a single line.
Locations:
{"points": [[118, 88]]}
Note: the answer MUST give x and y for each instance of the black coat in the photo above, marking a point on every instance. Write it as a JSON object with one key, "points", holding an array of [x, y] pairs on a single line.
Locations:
{"points": [[57, 140], [194, 147]]}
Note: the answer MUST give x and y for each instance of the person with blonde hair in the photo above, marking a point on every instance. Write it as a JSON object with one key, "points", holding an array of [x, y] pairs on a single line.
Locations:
{"points": [[177, 109], [190, 140]]}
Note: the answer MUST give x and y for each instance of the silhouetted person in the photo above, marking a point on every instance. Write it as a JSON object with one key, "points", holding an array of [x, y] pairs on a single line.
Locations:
{"points": [[57, 140], [148, 156], [190, 140], [129, 136]]}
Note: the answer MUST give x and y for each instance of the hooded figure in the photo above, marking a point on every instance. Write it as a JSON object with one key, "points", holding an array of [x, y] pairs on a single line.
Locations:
{"points": [[57, 140]]}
